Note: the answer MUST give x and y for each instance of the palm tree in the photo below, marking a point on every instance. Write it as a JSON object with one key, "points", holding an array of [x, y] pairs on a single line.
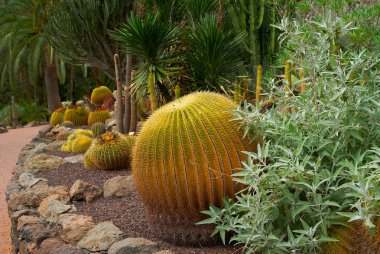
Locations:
{"points": [[151, 40], [22, 35]]}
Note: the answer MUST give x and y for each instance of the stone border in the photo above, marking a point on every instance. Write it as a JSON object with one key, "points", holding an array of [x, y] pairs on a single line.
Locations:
{"points": [[41, 222]]}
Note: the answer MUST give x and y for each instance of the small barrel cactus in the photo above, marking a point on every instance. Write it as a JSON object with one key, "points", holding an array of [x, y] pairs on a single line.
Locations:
{"points": [[99, 94], [98, 116], [98, 129], [111, 151], [183, 160], [81, 144], [63, 135], [57, 116], [71, 139], [78, 115]]}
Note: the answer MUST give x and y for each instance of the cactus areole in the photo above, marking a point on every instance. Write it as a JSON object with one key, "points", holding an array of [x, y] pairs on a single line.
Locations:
{"points": [[182, 162]]}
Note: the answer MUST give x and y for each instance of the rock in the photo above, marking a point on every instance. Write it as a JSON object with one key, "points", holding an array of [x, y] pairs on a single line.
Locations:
{"points": [[50, 208], [43, 162], [57, 246], [101, 237], [36, 233], [74, 159], [65, 249], [119, 186], [38, 149], [111, 122], [82, 190], [26, 219], [133, 246], [32, 124], [75, 227], [28, 180], [3, 130], [32, 197], [164, 252], [55, 146]]}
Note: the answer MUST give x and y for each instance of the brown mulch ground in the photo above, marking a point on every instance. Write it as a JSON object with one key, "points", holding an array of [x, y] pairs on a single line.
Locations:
{"points": [[127, 213]]}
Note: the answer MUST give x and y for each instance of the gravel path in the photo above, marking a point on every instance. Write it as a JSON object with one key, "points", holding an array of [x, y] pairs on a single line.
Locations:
{"points": [[11, 144]]}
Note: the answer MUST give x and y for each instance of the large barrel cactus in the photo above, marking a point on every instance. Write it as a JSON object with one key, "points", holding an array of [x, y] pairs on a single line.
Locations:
{"points": [[57, 116], [98, 129], [111, 151], [354, 238], [98, 116], [99, 94], [78, 115], [183, 160]]}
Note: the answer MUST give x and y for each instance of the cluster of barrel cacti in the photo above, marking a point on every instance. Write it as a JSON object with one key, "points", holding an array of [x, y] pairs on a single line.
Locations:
{"points": [[183, 161], [110, 151], [78, 142], [98, 116], [77, 114]]}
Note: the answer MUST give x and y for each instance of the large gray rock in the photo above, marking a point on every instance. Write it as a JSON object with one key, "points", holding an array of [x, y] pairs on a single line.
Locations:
{"points": [[82, 190], [74, 159], [32, 197], [133, 246], [51, 208], [119, 186], [25, 220], [43, 162], [75, 227], [38, 149], [28, 180], [101, 237]]}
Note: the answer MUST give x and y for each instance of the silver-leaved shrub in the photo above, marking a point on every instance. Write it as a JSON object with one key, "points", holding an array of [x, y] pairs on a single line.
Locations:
{"points": [[319, 164]]}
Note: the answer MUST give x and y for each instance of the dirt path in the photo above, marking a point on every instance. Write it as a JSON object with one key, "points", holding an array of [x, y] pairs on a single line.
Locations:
{"points": [[11, 144]]}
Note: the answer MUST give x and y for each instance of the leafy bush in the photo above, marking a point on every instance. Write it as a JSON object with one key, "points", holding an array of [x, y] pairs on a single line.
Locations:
{"points": [[25, 112], [320, 162]]}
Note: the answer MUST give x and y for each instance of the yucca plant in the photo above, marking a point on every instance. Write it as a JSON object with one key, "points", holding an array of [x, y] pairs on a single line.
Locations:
{"points": [[151, 40], [214, 55]]}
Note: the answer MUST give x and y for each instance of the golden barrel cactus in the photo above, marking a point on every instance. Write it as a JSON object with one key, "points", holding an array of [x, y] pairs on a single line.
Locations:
{"points": [[81, 144], [183, 161], [111, 151], [98, 129], [78, 115], [354, 238], [98, 116], [99, 94], [57, 116]]}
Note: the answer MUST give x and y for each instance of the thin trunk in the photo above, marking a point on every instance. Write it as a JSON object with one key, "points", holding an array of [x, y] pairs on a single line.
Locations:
{"points": [[152, 91], [72, 84], [127, 103], [133, 108], [51, 81], [119, 96]]}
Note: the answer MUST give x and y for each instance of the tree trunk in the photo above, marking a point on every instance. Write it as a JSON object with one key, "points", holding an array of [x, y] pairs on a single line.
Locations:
{"points": [[51, 81], [133, 108], [152, 91], [127, 102], [119, 96]]}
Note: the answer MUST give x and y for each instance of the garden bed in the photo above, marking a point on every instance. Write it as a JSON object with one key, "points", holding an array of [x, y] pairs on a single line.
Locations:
{"points": [[126, 213]]}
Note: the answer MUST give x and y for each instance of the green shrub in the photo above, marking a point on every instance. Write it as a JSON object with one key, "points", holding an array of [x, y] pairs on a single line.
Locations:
{"points": [[320, 164]]}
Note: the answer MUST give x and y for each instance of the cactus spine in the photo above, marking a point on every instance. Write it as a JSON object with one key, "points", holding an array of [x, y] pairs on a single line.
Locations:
{"points": [[98, 129], [111, 151], [81, 144], [183, 159], [259, 82], [98, 116], [57, 116], [99, 94]]}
